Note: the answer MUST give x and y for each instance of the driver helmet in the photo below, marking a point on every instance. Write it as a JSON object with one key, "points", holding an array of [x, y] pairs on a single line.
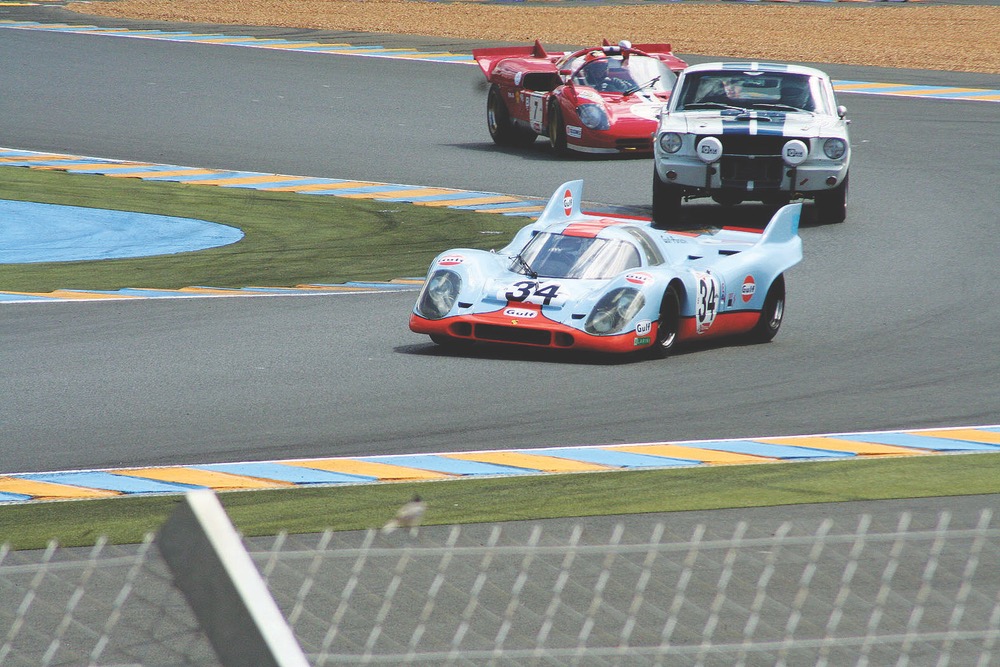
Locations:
{"points": [[596, 68], [795, 91]]}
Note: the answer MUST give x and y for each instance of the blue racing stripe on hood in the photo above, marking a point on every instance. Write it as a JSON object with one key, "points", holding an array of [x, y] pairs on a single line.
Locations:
{"points": [[753, 122]]}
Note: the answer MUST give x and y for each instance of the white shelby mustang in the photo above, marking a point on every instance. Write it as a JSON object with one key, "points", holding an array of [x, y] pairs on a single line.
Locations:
{"points": [[747, 131], [601, 283]]}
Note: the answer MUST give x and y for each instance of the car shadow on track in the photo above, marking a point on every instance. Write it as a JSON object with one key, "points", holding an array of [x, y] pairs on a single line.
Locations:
{"points": [[701, 215], [512, 353]]}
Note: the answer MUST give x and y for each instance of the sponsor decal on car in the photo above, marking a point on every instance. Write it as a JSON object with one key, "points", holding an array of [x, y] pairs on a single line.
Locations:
{"points": [[643, 327], [526, 313], [451, 260], [638, 278], [568, 202], [749, 287], [574, 131], [644, 340]]}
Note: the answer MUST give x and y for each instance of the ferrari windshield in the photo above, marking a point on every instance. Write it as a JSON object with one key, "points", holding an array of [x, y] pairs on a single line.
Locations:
{"points": [[623, 75], [582, 257], [774, 91]]}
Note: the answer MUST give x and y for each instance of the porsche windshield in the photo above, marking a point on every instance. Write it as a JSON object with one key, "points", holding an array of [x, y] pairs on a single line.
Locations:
{"points": [[624, 75], [582, 257], [767, 91]]}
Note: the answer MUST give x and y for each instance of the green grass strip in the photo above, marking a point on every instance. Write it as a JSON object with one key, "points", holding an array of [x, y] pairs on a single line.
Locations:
{"points": [[356, 507], [290, 239]]}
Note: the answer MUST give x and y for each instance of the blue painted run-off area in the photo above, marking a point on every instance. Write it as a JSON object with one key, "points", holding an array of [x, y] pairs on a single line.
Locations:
{"points": [[32, 232]]}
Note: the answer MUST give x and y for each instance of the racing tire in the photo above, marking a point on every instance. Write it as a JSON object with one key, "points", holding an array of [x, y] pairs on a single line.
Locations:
{"points": [[668, 325], [771, 314], [666, 202], [831, 206], [557, 130], [502, 130]]}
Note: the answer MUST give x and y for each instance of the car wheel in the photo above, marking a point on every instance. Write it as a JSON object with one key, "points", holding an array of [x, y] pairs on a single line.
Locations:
{"points": [[668, 325], [666, 202], [498, 119], [771, 314], [831, 206], [557, 129]]}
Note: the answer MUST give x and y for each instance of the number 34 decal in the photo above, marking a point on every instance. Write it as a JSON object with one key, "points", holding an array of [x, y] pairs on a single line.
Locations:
{"points": [[708, 301], [532, 292]]}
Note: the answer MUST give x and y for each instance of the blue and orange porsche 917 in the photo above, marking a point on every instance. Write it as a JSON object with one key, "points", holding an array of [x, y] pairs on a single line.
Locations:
{"points": [[582, 281]]}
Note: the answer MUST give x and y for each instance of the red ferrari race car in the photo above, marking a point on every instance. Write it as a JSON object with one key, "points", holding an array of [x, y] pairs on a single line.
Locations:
{"points": [[596, 100]]}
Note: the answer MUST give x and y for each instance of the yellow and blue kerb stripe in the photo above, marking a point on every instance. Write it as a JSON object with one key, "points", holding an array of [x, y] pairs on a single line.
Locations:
{"points": [[45, 486]]}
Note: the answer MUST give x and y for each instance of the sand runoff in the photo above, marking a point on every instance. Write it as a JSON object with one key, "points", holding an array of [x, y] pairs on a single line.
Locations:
{"points": [[961, 38]]}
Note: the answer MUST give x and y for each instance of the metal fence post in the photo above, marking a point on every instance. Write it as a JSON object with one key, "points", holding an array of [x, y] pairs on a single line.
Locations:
{"points": [[228, 596]]}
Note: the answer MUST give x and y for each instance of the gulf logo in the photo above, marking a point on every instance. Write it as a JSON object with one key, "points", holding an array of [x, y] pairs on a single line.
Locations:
{"points": [[638, 278], [749, 287], [451, 260], [568, 203], [526, 313]]}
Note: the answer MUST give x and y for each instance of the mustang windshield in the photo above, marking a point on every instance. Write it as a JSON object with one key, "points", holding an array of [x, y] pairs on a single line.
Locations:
{"points": [[764, 91], [585, 258]]}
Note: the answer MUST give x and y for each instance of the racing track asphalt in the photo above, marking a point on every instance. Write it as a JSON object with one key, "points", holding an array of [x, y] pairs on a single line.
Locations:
{"points": [[889, 325]]}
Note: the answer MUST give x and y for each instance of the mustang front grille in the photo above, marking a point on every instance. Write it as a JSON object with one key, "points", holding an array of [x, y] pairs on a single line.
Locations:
{"points": [[752, 157], [765, 172]]}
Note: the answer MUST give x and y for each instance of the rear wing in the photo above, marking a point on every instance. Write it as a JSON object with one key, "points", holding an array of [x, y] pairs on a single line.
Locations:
{"points": [[563, 206], [488, 58]]}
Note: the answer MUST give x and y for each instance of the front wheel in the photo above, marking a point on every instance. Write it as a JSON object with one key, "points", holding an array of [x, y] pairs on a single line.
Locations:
{"points": [[668, 325], [557, 130], [771, 314], [666, 202], [831, 206]]}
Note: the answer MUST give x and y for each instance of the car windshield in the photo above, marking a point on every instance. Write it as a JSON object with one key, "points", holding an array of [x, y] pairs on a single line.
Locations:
{"points": [[765, 91], [581, 257], [623, 75]]}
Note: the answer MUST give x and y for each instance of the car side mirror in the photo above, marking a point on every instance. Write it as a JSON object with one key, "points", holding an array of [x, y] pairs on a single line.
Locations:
{"points": [[841, 110]]}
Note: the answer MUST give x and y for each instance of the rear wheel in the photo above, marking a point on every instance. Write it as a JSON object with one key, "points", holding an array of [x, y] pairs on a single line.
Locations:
{"points": [[668, 325], [502, 130], [666, 202], [557, 129], [831, 206], [771, 314]]}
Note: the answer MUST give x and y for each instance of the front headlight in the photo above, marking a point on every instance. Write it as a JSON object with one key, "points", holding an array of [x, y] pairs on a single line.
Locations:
{"points": [[439, 294], [671, 142], [615, 309], [835, 148], [593, 116]]}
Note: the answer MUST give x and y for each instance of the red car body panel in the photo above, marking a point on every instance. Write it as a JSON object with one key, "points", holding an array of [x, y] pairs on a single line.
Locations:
{"points": [[533, 82], [508, 325]]}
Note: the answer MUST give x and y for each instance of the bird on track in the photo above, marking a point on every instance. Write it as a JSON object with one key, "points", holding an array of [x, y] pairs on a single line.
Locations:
{"points": [[408, 516]]}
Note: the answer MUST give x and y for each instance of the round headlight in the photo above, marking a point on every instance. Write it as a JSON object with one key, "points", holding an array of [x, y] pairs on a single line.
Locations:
{"points": [[709, 150], [615, 309], [835, 148], [439, 294], [671, 142], [593, 116], [794, 152]]}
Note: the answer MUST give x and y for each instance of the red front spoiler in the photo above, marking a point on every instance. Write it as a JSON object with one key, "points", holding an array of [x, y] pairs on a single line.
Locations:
{"points": [[516, 326]]}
